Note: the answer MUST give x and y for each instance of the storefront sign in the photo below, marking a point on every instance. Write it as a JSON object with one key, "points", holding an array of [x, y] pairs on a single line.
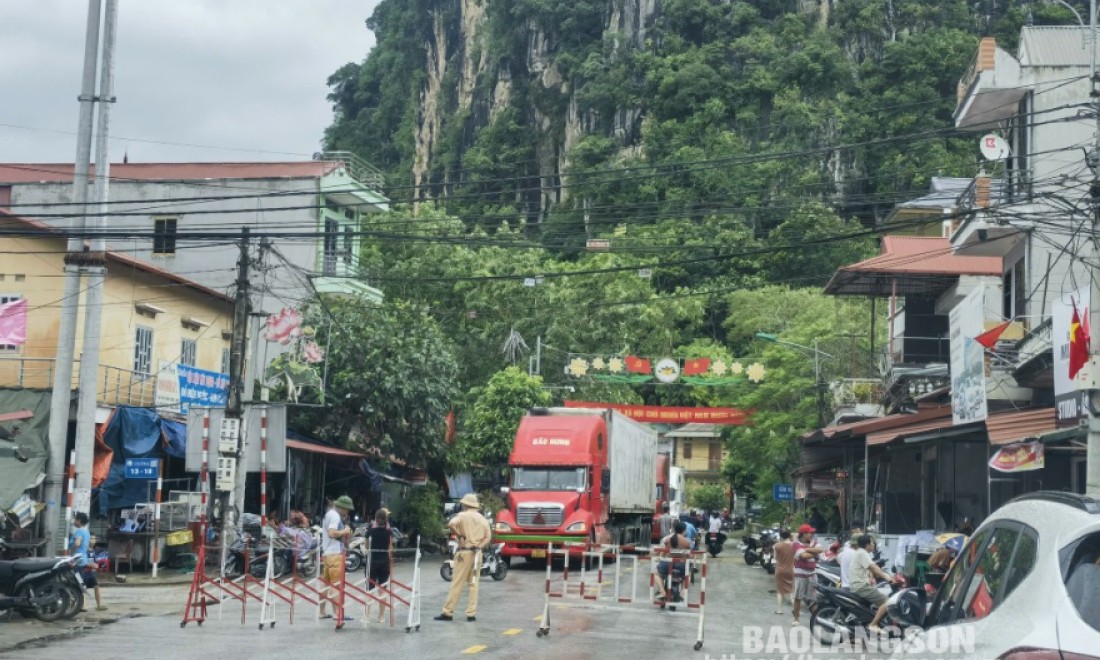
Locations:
{"points": [[179, 387], [1069, 402], [968, 397], [783, 492], [671, 415], [1020, 457]]}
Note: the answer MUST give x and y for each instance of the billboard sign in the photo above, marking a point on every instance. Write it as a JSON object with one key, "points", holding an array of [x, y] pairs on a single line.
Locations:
{"points": [[968, 396]]}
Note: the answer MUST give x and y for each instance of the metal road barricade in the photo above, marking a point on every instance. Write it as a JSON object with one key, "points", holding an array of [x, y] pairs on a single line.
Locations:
{"points": [[616, 586], [392, 593]]}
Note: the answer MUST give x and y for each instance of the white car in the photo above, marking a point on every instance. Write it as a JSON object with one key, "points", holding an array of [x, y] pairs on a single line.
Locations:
{"points": [[1025, 587]]}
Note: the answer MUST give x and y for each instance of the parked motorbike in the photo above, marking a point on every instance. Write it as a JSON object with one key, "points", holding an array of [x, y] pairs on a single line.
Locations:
{"points": [[253, 552], [39, 587], [715, 542], [492, 564], [356, 555], [840, 612], [768, 539]]}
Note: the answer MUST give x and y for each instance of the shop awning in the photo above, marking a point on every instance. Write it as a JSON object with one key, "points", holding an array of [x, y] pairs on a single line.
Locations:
{"points": [[1007, 428], [908, 266], [315, 448], [879, 424], [889, 435]]}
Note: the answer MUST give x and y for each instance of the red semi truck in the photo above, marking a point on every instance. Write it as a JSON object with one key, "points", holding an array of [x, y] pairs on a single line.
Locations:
{"points": [[578, 475]]}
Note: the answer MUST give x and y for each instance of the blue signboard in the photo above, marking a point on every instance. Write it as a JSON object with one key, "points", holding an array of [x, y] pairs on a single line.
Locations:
{"points": [[198, 387], [783, 492], [142, 468]]}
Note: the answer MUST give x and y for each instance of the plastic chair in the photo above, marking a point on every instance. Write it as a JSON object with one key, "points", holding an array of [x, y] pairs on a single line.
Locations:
{"points": [[126, 556]]}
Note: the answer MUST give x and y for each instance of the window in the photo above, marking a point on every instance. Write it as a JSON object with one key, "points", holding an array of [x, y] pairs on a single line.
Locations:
{"points": [[164, 235], [6, 298], [225, 360], [982, 578], [687, 449], [1022, 561], [1015, 291], [943, 608], [349, 244], [189, 349], [332, 251], [1080, 563], [143, 350], [566, 478]]}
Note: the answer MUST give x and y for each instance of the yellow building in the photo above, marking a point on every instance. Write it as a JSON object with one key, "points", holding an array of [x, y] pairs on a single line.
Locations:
{"points": [[151, 318], [699, 450]]}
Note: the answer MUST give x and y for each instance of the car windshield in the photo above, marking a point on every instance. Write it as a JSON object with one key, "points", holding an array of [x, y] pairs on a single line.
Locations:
{"points": [[1081, 570], [565, 478]]}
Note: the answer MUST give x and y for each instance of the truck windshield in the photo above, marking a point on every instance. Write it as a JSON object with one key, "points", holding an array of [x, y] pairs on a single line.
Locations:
{"points": [[547, 478]]}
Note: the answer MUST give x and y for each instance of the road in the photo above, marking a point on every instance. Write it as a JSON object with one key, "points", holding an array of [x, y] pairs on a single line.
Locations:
{"points": [[739, 609]]}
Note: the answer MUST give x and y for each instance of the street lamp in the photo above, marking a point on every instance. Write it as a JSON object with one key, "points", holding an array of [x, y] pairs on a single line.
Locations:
{"points": [[817, 355]]}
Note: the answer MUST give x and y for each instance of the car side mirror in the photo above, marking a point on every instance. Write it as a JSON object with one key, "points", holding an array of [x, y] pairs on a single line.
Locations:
{"points": [[605, 481], [908, 607]]}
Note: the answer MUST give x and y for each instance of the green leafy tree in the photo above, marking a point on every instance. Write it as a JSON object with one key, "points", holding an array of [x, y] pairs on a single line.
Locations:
{"points": [[709, 497], [490, 428], [391, 379]]}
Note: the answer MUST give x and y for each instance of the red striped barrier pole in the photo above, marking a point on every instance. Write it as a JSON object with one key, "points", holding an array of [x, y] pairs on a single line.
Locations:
{"points": [[156, 518], [263, 466]]}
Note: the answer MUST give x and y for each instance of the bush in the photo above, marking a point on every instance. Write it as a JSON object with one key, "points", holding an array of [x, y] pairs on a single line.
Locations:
{"points": [[709, 497], [423, 513], [491, 502]]}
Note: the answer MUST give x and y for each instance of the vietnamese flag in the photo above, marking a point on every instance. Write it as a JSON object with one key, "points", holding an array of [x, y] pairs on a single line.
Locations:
{"points": [[696, 366], [637, 365], [1078, 343], [989, 337]]}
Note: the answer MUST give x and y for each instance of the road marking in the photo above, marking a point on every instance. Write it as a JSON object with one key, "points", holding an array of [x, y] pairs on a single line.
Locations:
{"points": [[538, 618], [477, 648], [513, 631]]}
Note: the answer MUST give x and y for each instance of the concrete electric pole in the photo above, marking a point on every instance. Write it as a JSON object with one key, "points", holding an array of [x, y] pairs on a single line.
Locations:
{"points": [[61, 393], [1092, 461], [94, 264], [238, 358]]}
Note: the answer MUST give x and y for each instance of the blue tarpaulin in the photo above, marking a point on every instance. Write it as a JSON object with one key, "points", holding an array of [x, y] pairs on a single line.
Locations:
{"points": [[135, 433], [176, 435]]}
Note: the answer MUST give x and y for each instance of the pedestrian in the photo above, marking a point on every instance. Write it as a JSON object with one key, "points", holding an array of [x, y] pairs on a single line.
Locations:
{"points": [[334, 533], [380, 558], [806, 550], [80, 545], [473, 533], [784, 570], [664, 522]]}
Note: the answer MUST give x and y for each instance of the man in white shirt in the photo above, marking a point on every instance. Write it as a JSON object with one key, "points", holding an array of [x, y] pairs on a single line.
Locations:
{"points": [[714, 525], [844, 558], [864, 571], [333, 534]]}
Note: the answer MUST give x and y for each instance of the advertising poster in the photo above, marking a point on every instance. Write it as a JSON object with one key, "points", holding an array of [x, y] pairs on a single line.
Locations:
{"points": [[968, 397]]}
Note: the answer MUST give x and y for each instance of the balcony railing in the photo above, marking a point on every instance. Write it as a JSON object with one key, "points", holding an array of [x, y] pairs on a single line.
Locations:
{"points": [[114, 386], [357, 168], [853, 391]]}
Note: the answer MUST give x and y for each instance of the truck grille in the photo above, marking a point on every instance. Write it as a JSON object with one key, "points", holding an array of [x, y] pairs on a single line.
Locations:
{"points": [[540, 515]]}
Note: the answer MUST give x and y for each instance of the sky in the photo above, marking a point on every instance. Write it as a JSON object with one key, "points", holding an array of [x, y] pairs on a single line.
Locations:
{"points": [[243, 79]]}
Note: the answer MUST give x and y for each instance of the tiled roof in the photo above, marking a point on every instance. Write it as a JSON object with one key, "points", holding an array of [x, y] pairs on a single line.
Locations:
{"points": [[1054, 45], [910, 265], [13, 173]]}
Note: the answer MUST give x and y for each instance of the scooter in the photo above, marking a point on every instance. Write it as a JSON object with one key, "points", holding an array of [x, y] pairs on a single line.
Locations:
{"points": [[492, 564], [715, 542], [840, 612], [38, 587], [768, 539]]}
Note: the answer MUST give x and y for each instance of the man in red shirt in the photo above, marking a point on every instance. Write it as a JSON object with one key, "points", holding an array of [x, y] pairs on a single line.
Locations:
{"points": [[806, 550]]}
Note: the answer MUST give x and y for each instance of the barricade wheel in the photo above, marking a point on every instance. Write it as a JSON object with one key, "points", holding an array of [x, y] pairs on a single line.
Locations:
{"points": [[408, 629], [698, 645], [183, 624]]}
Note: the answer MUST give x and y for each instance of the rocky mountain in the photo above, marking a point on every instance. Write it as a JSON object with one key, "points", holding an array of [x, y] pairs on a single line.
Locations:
{"points": [[547, 108]]}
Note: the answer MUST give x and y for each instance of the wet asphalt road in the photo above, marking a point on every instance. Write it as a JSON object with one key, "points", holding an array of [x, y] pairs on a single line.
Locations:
{"points": [[739, 610]]}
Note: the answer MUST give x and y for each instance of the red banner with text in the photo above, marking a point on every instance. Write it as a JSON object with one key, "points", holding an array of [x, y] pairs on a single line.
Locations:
{"points": [[671, 415]]}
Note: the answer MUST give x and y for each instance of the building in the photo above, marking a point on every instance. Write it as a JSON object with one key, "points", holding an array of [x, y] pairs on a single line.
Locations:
{"points": [[167, 203], [1018, 249], [698, 449]]}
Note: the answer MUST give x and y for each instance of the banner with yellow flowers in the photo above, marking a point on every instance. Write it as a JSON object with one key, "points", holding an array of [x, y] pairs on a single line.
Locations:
{"points": [[635, 370]]}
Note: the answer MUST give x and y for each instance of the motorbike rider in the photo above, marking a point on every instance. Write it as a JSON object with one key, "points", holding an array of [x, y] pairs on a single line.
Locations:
{"points": [[864, 572], [664, 521], [844, 558], [690, 532], [714, 526], [677, 540]]}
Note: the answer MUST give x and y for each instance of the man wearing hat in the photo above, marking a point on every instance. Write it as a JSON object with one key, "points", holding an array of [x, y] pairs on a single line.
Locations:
{"points": [[473, 533], [806, 551], [333, 534]]}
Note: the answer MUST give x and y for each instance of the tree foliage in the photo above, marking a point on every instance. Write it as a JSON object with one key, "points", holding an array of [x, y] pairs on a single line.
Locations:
{"points": [[391, 381], [709, 497], [490, 426]]}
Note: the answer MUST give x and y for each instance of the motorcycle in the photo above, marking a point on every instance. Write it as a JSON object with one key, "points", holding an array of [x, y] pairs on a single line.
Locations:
{"points": [[768, 539], [492, 564], [356, 555], [39, 587], [840, 612], [715, 542], [249, 551]]}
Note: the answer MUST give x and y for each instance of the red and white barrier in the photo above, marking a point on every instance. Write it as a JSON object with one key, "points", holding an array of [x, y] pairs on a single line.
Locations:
{"points": [[624, 590]]}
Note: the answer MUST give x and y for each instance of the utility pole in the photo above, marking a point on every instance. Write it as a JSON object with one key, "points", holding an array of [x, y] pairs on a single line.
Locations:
{"points": [[95, 266], [61, 393], [1092, 464], [238, 353]]}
